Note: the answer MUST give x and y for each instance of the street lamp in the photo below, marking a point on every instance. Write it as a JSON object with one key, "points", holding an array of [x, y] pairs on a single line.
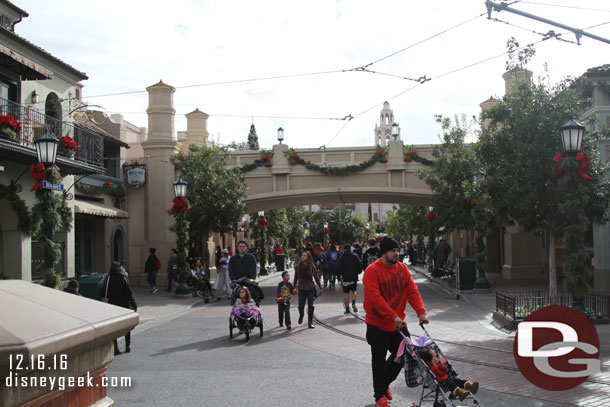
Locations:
{"points": [[46, 149], [262, 250], [395, 131], [481, 283], [180, 188], [280, 135], [325, 233], [367, 230], [572, 134], [181, 228]]}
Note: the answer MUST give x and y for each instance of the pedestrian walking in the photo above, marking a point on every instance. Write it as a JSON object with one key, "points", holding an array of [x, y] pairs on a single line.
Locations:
{"points": [[242, 264], [172, 270], [284, 294], [371, 254], [118, 292], [333, 259], [222, 285], [304, 275], [348, 269], [151, 268], [388, 286]]}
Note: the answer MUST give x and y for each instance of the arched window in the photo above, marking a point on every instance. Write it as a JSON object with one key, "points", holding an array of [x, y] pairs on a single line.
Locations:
{"points": [[52, 111], [117, 244]]}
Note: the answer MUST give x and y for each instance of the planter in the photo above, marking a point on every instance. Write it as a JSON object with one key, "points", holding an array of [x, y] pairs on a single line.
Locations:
{"points": [[383, 160], [67, 152], [292, 162], [8, 133], [408, 159], [268, 164]]}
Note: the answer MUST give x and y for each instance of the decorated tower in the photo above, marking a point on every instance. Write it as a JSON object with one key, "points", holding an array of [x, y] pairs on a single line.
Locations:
{"points": [[252, 139], [383, 130]]}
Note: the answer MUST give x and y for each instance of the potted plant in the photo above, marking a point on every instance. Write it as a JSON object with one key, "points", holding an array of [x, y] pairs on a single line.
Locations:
{"points": [[266, 157], [67, 146], [381, 154], [291, 154], [409, 156], [9, 127]]}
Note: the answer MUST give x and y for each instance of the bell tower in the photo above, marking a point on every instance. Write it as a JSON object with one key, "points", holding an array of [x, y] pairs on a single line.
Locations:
{"points": [[383, 130]]}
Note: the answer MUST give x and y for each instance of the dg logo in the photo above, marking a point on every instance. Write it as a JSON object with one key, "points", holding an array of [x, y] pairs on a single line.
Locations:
{"points": [[556, 348]]}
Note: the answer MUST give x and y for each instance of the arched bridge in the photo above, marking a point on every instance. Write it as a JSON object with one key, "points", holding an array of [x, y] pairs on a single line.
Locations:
{"points": [[283, 184]]}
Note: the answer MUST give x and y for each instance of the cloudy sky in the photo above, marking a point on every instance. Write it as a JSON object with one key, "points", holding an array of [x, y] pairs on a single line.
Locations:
{"points": [[125, 46]]}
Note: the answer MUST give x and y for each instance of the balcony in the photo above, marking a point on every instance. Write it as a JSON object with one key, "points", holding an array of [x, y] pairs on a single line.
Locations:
{"points": [[88, 160]]}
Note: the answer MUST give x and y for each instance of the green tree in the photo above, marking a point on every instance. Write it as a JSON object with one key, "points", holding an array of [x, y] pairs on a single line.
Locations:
{"points": [[296, 216], [406, 221], [215, 191], [516, 149]]}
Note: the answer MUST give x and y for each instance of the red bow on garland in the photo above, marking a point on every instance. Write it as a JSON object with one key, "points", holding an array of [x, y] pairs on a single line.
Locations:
{"points": [[37, 173], [262, 222], [431, 216], [325, 230], [584, 163], [180, 205]]}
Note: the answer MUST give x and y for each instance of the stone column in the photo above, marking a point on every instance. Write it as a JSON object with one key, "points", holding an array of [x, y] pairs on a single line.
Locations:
{"points": [[196, 129], [160, 145], [601, 237]]}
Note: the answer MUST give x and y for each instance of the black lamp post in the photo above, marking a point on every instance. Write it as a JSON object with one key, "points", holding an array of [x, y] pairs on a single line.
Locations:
{"points": [[367, 231], [262, 242], [572, 134], [181, 226], [395, 131], [481, 283], [280, 135], [46, 150]]}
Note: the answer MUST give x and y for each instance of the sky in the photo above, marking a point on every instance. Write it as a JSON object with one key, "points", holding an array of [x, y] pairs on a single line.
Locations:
{"points": [[314, 45]]}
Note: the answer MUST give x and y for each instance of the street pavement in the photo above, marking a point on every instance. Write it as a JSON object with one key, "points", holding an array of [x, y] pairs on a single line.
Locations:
{"points": [[182, 354]]}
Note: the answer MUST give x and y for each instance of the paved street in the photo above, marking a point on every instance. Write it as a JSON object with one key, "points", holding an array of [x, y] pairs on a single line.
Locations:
{"points": [[182, 355]]}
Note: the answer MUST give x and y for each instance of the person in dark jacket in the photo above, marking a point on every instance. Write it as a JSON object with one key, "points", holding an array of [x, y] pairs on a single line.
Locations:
{"points": [[172, 270], [118, 292], [151, 268], [348, 269], [370, 255], [242, 264]]}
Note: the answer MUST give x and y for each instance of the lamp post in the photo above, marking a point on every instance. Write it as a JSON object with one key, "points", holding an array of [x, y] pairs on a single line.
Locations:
{"points": [[572, 134], [367, 231], [280, 135], [46, 150], [326, 231], [481, 256], [395, 131], [262, 250], [181, 227]]}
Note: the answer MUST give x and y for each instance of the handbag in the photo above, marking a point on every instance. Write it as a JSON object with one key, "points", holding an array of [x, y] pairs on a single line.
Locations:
{"points": [[105, 299]]}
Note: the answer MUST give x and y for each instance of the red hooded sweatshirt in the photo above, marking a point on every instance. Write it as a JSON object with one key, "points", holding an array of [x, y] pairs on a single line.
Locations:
{"points": [[386, 292]]}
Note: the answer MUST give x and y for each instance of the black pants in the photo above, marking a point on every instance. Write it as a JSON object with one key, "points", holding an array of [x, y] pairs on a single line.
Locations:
{"points": [[385, 370], [451, 384], [283, 310]]}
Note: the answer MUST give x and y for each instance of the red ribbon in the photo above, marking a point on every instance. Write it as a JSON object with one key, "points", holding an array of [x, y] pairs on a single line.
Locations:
{"points": [[583, 165], [37, 173], [326, 230], [556, 164], [180, 205], [431, 216], [262, 222]]}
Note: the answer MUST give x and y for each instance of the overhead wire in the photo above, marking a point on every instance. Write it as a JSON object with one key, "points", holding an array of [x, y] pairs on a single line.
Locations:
{"points": [[563, 6]]}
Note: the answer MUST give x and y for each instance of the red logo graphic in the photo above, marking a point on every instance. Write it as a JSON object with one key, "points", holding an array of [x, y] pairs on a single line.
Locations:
{"points": [[556, 348]]}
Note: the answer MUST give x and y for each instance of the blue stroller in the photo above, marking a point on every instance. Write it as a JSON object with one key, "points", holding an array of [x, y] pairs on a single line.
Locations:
{"points": [[417, 372]]}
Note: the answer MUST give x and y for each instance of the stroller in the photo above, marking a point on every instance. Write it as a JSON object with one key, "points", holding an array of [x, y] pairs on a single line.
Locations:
{"points": [[255, 290], [246, 319], [417, 372]]}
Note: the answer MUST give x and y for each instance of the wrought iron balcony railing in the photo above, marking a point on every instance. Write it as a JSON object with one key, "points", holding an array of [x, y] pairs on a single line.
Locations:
{"points": [[34, 124]]}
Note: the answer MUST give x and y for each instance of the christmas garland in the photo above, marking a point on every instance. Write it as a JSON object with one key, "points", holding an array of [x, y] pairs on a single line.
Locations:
{"points": [[24, 219], [411, 155], [49, 215], [107, 188]]}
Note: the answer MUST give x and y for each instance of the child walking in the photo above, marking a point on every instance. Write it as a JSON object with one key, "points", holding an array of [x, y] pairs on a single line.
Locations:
{"points": [[284, 291], [456, 386]]}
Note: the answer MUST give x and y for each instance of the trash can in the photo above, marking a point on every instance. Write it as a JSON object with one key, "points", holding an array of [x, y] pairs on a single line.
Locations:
{"points": [[280, 262], [90, 284], [466, 273]]}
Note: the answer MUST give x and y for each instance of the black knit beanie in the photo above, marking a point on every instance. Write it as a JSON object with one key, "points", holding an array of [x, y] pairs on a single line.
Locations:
{"points": [[387, 244]]}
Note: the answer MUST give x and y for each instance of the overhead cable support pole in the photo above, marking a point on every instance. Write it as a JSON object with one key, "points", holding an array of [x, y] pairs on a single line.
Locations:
{"points": [[491, 6]]}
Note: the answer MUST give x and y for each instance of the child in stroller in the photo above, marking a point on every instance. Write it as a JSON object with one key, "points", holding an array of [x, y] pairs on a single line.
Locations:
{"points": [[253, 288], [245, 315], [425, 364], [454, 385]]}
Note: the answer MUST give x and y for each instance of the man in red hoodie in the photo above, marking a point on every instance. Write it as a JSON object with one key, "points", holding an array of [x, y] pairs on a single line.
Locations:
{"points": [[388, 286]]}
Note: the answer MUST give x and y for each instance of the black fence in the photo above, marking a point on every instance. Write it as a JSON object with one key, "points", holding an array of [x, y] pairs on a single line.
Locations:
{"points": [[34, 124], [517, 305]]}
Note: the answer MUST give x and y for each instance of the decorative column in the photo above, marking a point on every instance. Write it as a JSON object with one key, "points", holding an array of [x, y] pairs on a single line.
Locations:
{"points": [[196, 129], [160, 145]]}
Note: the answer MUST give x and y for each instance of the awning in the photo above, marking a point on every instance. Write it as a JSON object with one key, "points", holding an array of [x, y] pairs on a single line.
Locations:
{"points": [[98, 209], [27, 68]]}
